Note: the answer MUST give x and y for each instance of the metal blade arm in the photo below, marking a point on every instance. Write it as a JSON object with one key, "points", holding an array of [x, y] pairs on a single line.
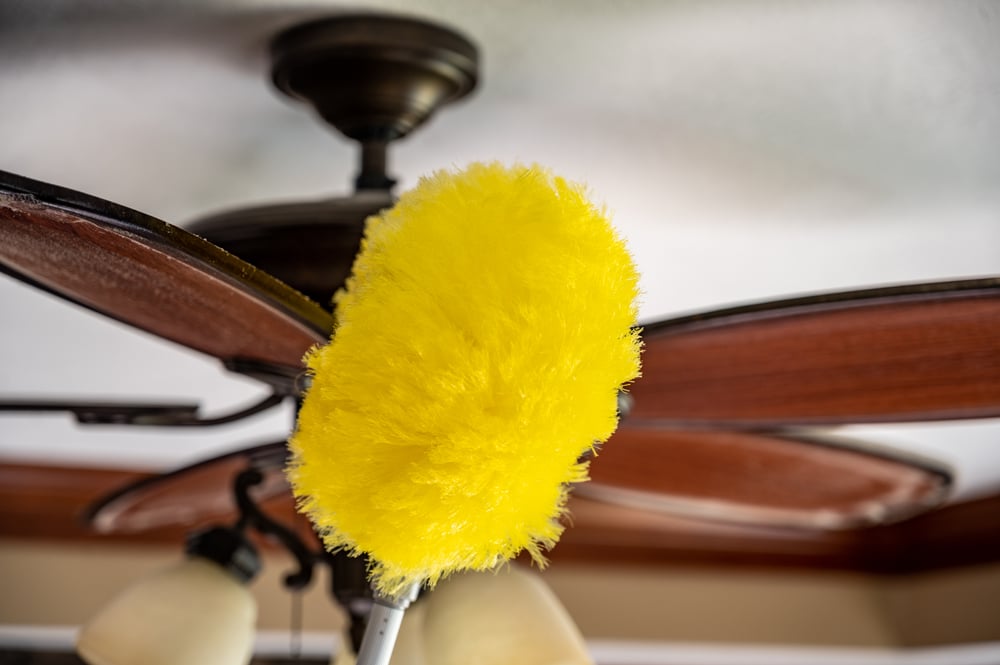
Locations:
{"points": [[151, 415]]}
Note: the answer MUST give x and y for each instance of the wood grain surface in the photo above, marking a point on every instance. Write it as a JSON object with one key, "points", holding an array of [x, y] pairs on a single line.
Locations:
{"points": [[47, 503], [924, 352], [152, 275], [762, 479]]}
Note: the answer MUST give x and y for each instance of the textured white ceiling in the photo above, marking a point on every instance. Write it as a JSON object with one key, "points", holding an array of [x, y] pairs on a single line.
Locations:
{"points": [[748, 150]]}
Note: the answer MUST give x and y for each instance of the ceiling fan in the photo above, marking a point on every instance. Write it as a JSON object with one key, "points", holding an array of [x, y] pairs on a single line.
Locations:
{"points": [[715, 428]]}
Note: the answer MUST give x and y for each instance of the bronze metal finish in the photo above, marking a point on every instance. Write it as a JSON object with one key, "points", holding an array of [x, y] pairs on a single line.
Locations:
{"points": [[375, 78], [309, 246]]}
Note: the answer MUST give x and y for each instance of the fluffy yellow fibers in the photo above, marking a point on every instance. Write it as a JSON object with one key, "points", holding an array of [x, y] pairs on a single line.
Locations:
{"points": [[479, 348]]}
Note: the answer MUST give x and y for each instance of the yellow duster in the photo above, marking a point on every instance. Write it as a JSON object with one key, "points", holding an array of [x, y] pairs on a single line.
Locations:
{"points": [[479, 349]]}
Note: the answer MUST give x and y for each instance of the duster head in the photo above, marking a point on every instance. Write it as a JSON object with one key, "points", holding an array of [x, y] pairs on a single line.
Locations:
{"points": [[479, 349]]}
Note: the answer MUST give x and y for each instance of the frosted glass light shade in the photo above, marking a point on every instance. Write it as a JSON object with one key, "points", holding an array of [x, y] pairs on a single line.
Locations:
{"points": [[193, 614], [409, 649], [499, 619]]}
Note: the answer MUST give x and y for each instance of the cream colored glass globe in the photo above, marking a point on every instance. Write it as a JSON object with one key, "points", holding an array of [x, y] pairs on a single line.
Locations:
{"points": [[409, 649], [507, 618], [193, 614]]}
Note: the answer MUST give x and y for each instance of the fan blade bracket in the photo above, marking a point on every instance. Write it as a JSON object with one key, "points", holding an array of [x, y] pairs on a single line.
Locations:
{"points": [[98, 413], [283, 380], [143, 415]]}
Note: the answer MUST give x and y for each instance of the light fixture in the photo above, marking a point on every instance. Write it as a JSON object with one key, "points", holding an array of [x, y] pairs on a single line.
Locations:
{"points": [[409, 649], [201, 613], [196, 613], [509, 616]]}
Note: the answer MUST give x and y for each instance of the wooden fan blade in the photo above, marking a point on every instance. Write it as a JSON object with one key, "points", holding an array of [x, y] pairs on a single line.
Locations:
{"points": [[923, 352], [760, 479], [152, 275], [193, 495]]}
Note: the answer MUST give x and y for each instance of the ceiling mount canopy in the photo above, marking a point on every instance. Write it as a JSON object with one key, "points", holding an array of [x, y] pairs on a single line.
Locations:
{"points": [[374, 77]]}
